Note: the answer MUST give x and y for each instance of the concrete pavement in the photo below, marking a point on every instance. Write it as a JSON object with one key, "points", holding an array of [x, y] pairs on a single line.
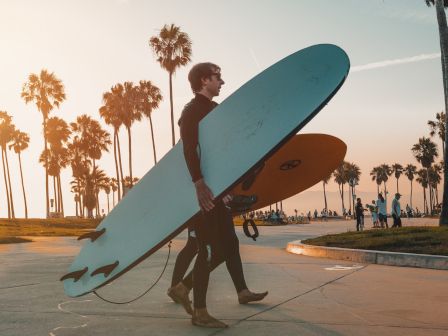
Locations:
{"points": [[307, 296]]}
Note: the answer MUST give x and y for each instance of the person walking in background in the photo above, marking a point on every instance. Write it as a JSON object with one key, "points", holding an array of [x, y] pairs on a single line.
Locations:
{"points": [[382, 214], [359, 212], [396, 210]]}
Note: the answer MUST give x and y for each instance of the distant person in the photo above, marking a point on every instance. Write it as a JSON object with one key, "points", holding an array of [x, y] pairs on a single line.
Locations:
{"points": [[359, 212], [396, 210], [315, 213], [374, 212], [382, 214], [408, 211]]}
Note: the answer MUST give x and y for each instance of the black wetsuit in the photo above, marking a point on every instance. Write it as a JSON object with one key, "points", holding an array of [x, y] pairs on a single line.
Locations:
{"points": [[215, 233]]}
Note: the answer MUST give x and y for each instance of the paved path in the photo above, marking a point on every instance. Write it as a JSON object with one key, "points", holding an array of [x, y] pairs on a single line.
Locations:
{"points": [[307, 296]]}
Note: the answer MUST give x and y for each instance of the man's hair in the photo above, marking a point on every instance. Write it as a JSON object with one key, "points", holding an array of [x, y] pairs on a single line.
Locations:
{"points": [[200, 71]]}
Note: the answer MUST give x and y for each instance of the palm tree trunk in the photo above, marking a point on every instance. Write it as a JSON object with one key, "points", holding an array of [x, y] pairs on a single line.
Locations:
{"points": [[325, 197], [443, 33], [425, 205], [46, 169], [430, 191], [108, 208], [385, 195], [119, 160], [10, 186], [397, 187], [60, 195], [56, 206], [6, 184], [116, 164], [23, 186], [171, 106], [350, 197], [153, 142], [130, 155], [411, 195]]}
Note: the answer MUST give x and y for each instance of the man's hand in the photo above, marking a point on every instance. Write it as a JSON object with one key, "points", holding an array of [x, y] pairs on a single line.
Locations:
{"points": [[227, 199], [204, 195]]}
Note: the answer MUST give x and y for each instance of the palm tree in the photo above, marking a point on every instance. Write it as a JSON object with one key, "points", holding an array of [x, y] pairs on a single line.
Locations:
{"points": [[20, 141], [114, 188], [425, 152], [375, 173], [410, 171], [172, 47], [435, 178], [422, 179], [443, 37], [58, 134], [397, 169], [149, 99], [47, 92], [92, 139], [353, 175], [438, 127], [7, 130], [324, 182], [110, 112], [340, 177], [384, 171]]}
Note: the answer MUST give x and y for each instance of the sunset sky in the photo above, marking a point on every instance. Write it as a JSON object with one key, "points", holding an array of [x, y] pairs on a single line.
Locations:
{"points": [[393, 89]]}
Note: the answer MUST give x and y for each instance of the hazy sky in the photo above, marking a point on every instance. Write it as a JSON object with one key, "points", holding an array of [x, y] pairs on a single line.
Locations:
{"points": [[394, 87]]}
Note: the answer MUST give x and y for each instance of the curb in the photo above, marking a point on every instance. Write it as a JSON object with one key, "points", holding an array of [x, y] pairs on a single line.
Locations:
{"points": [[370, 256]]}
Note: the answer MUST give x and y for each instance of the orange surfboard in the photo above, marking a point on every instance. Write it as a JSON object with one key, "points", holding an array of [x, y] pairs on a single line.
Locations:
{"points": [[302, 162]]}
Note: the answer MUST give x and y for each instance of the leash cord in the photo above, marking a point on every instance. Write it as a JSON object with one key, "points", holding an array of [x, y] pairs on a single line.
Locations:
{"points": [[144, 293]]}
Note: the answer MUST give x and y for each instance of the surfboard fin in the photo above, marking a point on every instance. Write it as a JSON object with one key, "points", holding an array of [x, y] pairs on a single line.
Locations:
{"points": [[94, 235], [106, 270], [76, 275]]}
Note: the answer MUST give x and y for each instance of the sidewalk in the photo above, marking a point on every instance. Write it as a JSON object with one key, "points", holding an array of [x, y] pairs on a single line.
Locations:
{"points": [[307, 296]]}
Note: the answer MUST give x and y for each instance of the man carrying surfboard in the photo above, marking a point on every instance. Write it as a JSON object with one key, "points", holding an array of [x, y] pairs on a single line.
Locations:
{"points": [[213, 226]]}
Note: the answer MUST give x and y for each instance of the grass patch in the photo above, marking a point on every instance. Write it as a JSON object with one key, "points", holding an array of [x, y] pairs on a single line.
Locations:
{"points": [[421, 240], [52, 227]]}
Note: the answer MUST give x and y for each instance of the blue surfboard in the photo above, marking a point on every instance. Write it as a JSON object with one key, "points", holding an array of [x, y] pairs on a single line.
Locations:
{"points": [[243, 131]]}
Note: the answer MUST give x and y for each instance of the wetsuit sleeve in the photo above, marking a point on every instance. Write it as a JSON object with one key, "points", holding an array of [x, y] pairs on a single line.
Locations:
{"points": [[189, 133]]}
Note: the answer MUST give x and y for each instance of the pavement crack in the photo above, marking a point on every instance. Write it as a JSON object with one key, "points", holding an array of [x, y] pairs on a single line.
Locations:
{"points": [[18, 286]]}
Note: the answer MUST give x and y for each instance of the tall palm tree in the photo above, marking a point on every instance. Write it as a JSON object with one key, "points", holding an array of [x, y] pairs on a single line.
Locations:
{"points": [[438, 127], [443, 37], [353, 174], [111, 113], [384, 172], [172, 47], [7, 130], [20, 142], [422, 179], [435, 178], [376, 176], [410, 171], [58, 134], [47, 92], [324, 182], [129, 115], [340, 177], [397, 170], [425, 152], [149, 100], [114, 188]]}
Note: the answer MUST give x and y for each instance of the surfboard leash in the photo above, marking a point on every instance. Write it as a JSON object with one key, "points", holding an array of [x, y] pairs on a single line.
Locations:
{"points": [[145, 292]]}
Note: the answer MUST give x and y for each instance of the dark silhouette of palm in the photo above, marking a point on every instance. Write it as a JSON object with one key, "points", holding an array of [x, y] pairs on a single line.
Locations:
{"points": [[47, 92], [20, 142], [172, 47], [425, 152], [410, 171], [7, 130], [149, 98]]}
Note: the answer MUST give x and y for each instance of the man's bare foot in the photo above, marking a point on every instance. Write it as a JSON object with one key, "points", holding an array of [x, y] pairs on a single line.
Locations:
{"points": [[202, 318], [179, 294], [246, 296]]}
